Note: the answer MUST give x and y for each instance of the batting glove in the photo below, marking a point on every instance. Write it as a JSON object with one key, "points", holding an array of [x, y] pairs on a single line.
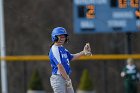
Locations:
{"points": [[87, 50], [68, 83]]}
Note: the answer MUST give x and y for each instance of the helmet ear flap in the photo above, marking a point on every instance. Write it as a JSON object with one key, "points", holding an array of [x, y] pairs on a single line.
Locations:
{"points": [[55, 39]]}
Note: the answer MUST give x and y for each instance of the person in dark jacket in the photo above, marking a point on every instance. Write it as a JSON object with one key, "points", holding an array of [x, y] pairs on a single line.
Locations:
{"points": [[131, 76]]}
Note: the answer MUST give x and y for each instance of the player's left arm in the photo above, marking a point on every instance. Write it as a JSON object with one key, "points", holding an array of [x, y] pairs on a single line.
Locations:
{"points": [[86, 52], [74, 56], [78, 55]]}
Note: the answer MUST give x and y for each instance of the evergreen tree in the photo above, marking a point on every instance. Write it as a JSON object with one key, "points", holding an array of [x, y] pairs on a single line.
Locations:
{"points": [[86, 82], [35, 82]]}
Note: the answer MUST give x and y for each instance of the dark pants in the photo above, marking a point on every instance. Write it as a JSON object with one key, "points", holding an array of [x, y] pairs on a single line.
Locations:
{"points": [[130, 86]]}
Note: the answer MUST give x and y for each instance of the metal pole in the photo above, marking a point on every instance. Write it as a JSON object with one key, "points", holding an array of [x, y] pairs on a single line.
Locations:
{"points": [[2, 51]]}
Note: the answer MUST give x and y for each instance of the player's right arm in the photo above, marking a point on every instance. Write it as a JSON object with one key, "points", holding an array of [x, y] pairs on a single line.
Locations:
{"points": [[64, 75], [57, 60], [63, 72]]}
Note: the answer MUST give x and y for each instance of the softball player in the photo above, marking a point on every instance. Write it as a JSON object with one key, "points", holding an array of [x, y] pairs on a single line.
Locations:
{"points": [[60, 59], [131, 77]]}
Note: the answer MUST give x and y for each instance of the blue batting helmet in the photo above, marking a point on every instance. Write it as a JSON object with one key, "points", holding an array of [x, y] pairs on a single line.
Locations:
{"points": [[58, 31]]}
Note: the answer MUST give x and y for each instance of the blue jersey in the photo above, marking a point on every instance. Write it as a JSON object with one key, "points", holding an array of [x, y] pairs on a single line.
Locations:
{"points": [[60, 55]]}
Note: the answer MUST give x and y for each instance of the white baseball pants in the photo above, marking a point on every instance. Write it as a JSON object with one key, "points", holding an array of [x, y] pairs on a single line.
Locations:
{"points": [[59, 85]]}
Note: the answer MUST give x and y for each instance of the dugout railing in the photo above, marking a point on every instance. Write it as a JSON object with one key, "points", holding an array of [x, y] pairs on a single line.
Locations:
{"points": [[93, 57]]}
